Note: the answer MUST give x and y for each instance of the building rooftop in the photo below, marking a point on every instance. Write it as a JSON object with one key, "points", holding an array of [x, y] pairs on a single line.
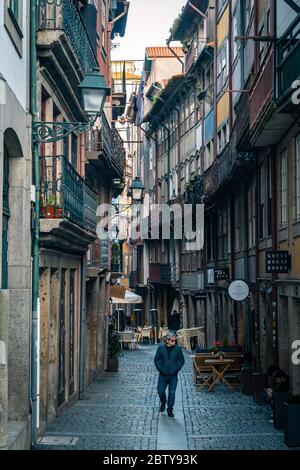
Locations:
{"points": [[159, 52]]}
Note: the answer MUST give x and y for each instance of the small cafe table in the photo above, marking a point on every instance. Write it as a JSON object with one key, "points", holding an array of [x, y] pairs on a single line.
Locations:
{"points": [[218, 368]]}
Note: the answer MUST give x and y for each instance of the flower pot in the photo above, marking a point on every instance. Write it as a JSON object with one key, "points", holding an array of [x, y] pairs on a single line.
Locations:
{"points": [[49, 212], [59, 213], [246, 378], [292, 424], [112, 364], [279, 398], [259, 382]]}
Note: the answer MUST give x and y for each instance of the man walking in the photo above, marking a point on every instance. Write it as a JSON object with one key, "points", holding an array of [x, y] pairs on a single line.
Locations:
{"points": [[168, 361], [174, 321]]}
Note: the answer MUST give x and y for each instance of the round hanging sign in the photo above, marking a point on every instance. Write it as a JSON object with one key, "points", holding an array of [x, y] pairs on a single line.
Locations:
{"points": [[238, 290]]}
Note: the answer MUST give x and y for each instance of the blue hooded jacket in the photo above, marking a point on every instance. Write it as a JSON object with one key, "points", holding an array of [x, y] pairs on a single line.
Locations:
{"points": [[169, 360]]}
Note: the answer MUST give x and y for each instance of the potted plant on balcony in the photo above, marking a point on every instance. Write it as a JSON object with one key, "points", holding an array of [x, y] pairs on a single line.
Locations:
{"points": [[292, 421], [48, 206], [114, 348]]}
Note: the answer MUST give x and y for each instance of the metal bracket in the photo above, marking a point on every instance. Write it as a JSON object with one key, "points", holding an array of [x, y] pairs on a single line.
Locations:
{"points": [[47, 132]]}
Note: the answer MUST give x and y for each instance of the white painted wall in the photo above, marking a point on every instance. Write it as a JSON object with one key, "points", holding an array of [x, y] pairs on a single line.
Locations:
{"points": [[12, 66]]}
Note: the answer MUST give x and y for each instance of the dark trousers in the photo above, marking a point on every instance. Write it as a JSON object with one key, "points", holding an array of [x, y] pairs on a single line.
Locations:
{"points": [[163, 382]]}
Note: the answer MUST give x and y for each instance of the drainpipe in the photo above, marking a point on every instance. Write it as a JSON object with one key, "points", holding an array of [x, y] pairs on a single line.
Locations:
{"points": [[34, 372], [82, 327], [169, 179], [274, 247], [246, 257], [257, 312], [179, 194], [169, 156], [232, 265]]}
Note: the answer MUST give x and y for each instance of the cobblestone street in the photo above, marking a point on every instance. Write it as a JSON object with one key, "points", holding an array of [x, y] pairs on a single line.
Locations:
{"points": [[121, 411]]}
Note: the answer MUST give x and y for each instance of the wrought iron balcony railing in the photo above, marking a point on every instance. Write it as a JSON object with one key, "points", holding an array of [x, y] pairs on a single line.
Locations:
{"points": [[190, 57], [133, 279], [65, 194], [65, 15], [154, 272], [107, 140], [117, 150], [288, 58], [229, 160]]}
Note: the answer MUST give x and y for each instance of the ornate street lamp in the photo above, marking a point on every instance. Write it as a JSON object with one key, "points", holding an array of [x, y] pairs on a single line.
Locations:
{"points": [[94, 90], [137, 190]]}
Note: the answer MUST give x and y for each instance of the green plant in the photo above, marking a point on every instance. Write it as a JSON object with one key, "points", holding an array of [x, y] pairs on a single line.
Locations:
{"points": [[114, 344], [212, 349], [175, 24], [51, 200], [225, 343]]}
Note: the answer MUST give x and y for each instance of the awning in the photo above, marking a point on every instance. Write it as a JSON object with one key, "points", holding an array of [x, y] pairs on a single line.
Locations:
{"points": [[129, 298]]}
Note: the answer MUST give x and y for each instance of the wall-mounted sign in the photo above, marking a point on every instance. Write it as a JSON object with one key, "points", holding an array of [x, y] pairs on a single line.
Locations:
{"points": [[278, 261], [238, 290], [199, 295], [221, 274]]}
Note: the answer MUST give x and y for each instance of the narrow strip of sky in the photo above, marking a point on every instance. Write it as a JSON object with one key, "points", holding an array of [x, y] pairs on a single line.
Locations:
{"points": [[148, 24]]}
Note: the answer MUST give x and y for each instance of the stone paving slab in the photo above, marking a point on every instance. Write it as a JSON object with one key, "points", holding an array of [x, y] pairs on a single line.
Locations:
{"points": [[120, 411]]}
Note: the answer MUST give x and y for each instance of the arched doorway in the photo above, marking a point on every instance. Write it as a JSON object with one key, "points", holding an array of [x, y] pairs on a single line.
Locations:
{"points": [[5, 219], [13, 181]]}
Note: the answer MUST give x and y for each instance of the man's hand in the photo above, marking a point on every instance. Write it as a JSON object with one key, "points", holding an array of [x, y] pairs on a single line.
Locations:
{"points": [[268, 392]]}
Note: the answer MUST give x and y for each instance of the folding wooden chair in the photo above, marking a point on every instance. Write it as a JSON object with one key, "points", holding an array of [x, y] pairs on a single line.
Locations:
{"points": [[202, 372]]}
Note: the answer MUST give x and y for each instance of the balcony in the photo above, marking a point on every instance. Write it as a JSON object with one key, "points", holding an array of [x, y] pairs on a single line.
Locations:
{"points": [[64, 17], [166, 276], [288, 60], [64, 47], [135, 279], [192, 281], [162, 274], [210, 179], [232, 164], [68, 205], [196, 194], [154, 273], [261, 95], [105, 149], [190, 57]]}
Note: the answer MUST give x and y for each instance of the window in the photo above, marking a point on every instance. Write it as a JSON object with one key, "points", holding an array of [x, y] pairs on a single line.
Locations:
{"points": [[269, 196], [103, 21], [222, 71], [208, 155], [238, 215], [251, 216], [74, 150], [235, 43], [297, 179], [13, 20], [283, 189], [261, 201], [249, 4], [220, 144], [209, 240], [222, 234], [151, 152]]}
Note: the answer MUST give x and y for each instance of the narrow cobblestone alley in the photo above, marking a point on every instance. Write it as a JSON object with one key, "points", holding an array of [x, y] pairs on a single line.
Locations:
{"points": [[120, 411]]}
